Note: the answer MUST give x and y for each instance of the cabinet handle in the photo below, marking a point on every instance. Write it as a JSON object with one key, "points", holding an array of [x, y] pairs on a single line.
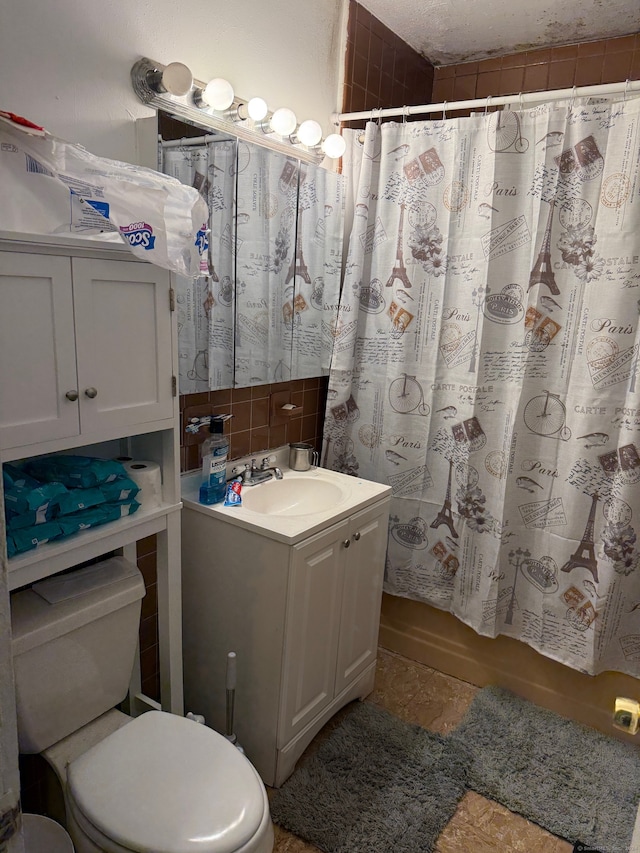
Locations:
{"points": [[356, 536], [91, 393], [346, 543], [71, 395]]}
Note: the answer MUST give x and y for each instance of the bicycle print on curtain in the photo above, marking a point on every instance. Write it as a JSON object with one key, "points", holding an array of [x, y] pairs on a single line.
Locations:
{"points": [[485, 366]]}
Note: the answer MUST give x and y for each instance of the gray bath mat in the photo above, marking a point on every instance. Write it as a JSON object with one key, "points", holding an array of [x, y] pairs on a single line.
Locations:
{"points": [[378, 784], [569, 779], [375, 784]]}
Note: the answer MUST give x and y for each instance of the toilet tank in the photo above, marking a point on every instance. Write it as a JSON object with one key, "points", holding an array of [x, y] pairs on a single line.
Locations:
{"points": [[74, 638]]}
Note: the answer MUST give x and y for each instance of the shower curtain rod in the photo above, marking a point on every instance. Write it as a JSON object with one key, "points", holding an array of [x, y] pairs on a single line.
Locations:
{"points": [[522, 98]]}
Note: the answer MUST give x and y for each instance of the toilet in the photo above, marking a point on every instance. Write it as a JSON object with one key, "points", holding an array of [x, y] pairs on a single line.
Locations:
{"points": [[157, 783]]}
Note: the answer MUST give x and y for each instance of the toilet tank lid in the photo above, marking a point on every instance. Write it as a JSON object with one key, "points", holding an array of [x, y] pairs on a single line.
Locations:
{"points": [[58, 605]]}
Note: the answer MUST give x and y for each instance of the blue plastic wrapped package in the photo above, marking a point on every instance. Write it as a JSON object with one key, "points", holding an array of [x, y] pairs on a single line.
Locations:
{"points": [[15, 478], [30, 518], [24, 494], [121, 489], [81, 472], [32, 537], [95, 516], [82, 520], [78, 499], [120, 509]]}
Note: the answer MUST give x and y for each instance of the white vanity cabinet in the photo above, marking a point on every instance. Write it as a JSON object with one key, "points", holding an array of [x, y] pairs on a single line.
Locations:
{"points": [[85, 346], [301, 613], [88, 362]]}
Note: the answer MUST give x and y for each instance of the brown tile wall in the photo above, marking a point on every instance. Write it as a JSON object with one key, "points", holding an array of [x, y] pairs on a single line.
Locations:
{"points": [[584, 64], [250, 430], [381, 70]]}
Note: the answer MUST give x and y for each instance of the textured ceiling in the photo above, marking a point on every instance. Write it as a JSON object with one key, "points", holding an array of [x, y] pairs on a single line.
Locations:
{"points": [[451, 31]]}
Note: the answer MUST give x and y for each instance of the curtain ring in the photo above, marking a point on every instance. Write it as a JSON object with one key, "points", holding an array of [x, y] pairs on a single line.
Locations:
{"points": [[444, 110], [521, 103], [487, 104], [626, 89], [573, 98], [405, 114]]}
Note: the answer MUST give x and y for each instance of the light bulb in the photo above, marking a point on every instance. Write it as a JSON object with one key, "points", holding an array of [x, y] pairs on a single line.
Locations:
{"points": [[334, 146], [257, 109], [176, 79], [310, 133], [283, 121], [218, 94]]}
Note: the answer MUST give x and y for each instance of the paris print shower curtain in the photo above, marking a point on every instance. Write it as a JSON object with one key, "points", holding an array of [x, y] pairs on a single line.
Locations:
{"points": [[486, 367]]}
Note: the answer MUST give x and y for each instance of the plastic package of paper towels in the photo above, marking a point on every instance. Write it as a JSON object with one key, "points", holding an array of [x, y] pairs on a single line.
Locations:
{"points": [[148, 477]]}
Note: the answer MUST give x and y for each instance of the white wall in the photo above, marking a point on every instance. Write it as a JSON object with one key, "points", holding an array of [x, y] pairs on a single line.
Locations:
{"points": [[65, 64]]}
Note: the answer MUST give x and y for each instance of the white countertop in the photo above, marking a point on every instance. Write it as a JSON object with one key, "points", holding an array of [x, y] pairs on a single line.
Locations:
{"points": [[356, 495]]}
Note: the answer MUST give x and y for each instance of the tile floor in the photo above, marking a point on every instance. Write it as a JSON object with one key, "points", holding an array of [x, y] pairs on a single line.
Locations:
{"points": [[421, 695]]}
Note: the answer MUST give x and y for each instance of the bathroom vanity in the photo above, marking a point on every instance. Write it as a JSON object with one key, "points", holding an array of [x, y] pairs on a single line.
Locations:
{"points": [[291, 582]]}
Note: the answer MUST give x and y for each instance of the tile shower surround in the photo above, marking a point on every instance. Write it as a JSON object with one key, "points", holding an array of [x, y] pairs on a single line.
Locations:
{"points": [[585, 64]]}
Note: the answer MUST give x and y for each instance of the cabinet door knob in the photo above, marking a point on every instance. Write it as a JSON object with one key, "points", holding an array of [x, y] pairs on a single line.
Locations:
{"points": [[356, 536], [91, 393], [346, 543], [71, 395]]}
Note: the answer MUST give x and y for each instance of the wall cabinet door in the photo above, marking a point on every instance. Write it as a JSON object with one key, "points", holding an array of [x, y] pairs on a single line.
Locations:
{"points": [[37, 350], [123, 341], [85, 344], [313, 618], [362, 580]]}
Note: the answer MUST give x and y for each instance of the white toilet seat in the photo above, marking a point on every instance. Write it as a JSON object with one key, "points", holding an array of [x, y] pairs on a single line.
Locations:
{"points": [[262, 841], [191, 789]]}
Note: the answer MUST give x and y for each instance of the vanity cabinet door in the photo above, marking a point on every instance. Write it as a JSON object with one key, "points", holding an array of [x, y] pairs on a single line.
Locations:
{"points": [[361, 593], [37, 350], [123, 338], [313, 617]]}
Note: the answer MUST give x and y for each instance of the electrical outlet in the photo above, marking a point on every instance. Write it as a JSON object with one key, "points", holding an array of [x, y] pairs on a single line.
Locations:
{"points": [[626, 715]]}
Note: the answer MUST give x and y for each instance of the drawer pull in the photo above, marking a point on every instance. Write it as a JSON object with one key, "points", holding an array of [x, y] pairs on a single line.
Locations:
{"points": [[71, 395], [356, 536], [91, 393], [346, 543]]}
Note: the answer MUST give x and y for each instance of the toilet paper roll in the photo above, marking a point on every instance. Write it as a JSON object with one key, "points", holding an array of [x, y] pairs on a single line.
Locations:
{"points": [[148, 477]]}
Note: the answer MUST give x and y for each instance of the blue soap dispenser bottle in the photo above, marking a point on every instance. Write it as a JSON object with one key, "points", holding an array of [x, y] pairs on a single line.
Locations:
{"points": [[215, 450]]}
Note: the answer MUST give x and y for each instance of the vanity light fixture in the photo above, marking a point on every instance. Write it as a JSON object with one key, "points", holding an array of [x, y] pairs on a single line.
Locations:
{"points": [[214, 105]]}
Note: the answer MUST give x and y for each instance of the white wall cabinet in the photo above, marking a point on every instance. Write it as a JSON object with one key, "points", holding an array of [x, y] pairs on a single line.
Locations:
{"points": [[302, 619], [85, 346], [87, 364]]}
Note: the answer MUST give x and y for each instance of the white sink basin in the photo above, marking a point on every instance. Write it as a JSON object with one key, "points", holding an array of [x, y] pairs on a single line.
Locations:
{"points": [[294, 496]]}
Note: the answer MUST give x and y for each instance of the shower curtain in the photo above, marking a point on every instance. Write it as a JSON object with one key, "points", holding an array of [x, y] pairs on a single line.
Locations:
{"points": [[205, 305], [486, 366]]}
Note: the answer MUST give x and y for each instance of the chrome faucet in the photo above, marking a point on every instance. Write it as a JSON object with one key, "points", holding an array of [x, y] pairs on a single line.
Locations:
{"points": [[252, 475]]}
